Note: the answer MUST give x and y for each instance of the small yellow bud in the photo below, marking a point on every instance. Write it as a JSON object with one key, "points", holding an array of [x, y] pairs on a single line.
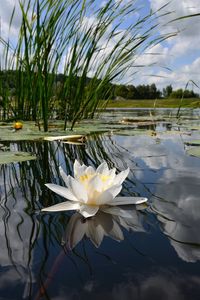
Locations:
{"points": [[18, 125]]}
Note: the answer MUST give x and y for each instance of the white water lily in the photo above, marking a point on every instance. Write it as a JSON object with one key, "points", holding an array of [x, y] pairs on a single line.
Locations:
{"points": [[91, 190]]}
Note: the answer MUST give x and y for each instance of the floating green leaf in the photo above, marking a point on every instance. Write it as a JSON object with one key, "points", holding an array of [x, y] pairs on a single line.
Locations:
{"points": [[75, 137], [193, 143], [194, 152], [192, 127], [12, 157], [133, 132]]}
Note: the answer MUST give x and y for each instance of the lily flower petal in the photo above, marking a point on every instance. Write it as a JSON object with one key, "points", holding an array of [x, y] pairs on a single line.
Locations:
{"points": [[77, 189], [88, 210], [104, 198], [63, 175], [90, 171], [77, 165], [114, 190], [111, 173], [67, 205], [103, 168], [127, 200], [62, 191], [108, 195], [95, 183], [119, 178], [79, 169]]}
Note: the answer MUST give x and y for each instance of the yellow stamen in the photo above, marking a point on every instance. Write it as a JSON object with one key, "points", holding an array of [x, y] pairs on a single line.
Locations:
{"points": [[104, 178], [85, 177]]}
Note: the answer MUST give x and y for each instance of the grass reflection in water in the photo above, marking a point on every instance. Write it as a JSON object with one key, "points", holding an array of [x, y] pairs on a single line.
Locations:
{"points": [[50, 255]]}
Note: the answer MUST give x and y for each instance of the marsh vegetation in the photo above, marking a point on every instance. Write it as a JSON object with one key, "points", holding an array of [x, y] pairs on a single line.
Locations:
{"points": [[62, 37]]}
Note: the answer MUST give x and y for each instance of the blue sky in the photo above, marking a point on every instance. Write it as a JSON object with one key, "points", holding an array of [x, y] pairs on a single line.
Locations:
{"points": [[180, 54]]}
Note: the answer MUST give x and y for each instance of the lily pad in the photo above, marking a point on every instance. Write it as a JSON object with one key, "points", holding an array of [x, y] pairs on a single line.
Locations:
{"points": [[12, 157], [192, 127], [133, 132], [31, 132], [193, 143], [194, 152], [144, 122], [75, 137], [74, 143]]}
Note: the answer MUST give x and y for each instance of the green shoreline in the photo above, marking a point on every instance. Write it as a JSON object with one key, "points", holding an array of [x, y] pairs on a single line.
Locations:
{"points": [[160, 103]]}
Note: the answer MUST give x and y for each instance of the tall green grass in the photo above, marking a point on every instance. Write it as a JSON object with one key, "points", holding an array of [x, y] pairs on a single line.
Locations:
{"points": [[83, 41]]}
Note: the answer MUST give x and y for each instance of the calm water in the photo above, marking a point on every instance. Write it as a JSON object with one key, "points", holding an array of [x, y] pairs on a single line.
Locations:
{"points": [[159, 257]]}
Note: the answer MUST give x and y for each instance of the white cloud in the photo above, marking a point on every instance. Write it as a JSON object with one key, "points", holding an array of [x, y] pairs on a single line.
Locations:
{"points": [[179, 77], [6, 9], [155, 55], [179, 53], [9, 31], [107, 48]]}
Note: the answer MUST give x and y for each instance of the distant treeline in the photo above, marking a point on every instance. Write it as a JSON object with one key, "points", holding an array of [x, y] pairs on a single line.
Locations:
{"points": [[143, 91], [9, 79]]}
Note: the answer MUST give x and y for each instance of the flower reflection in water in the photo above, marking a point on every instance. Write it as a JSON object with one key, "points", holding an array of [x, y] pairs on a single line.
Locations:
{"points": [[108, 222]]}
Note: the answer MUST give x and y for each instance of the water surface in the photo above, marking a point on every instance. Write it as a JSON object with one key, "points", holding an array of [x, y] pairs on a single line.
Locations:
{"points": [[158, 257]]}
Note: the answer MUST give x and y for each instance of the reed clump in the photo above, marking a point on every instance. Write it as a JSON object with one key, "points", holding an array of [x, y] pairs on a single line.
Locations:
{"points": [[92, 45]]}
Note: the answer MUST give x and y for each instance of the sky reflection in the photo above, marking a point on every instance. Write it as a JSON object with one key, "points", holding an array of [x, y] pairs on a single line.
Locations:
{"points": [[63, 255]]}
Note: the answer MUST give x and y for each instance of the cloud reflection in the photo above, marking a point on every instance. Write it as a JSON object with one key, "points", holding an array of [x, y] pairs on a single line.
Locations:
{"points": [[160, 284], [178, 215], [107, 222]]}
